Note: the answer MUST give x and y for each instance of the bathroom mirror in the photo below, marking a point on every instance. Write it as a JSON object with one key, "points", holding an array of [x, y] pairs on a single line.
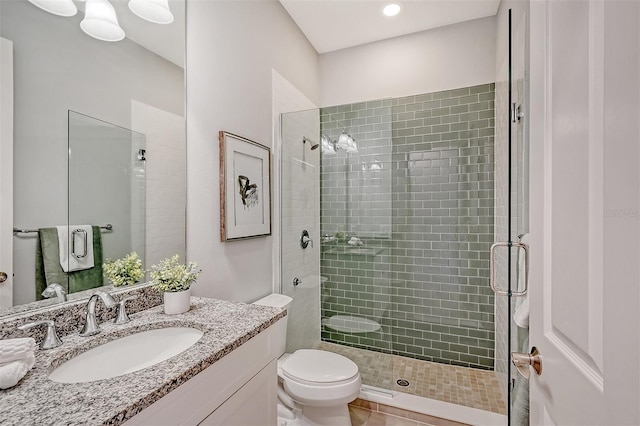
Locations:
{"points": [[65, 82]]}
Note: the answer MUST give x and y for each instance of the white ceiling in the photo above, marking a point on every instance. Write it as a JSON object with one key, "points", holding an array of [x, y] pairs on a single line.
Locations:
{"points": [[337, 24]]}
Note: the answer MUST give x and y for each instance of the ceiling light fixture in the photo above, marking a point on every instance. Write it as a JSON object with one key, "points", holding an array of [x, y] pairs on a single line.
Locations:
{"points": [[100, 21], [345, 141], [328, 146], [156, 11], [57, 7], [391, 9]]}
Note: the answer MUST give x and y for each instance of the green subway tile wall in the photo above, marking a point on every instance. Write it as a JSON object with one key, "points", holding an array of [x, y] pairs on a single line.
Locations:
{"points": [[420, 195]]}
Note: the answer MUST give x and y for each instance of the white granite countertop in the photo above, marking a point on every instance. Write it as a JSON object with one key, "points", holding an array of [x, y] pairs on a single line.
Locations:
{"points": [[36, 400]]}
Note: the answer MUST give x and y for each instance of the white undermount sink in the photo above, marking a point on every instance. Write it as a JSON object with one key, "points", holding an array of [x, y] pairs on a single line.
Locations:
{"points": [[126, 355]]}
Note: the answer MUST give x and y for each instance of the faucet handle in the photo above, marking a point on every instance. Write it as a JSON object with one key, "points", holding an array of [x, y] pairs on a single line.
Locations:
{"points": [[51, 339], [122, 317]]}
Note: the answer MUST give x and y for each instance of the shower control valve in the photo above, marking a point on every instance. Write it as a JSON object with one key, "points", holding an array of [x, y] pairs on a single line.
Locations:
{"points": [[305, 240]]}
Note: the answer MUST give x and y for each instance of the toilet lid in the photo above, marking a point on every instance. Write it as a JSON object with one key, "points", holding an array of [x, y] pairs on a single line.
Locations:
{"points": [[319, 366]]}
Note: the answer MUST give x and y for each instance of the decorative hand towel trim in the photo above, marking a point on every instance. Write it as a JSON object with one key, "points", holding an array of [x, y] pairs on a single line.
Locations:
{"points": [[16, 349], [83, 238]]}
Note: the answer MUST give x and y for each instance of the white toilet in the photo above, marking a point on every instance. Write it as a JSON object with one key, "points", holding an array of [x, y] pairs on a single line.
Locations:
{"points": [[314, 386]]}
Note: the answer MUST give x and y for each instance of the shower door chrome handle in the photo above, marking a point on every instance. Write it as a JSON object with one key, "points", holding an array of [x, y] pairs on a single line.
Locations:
{"points": [[73, 243], [492, 268]]}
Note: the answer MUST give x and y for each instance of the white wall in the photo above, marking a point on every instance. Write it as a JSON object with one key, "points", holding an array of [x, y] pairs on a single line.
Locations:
{"points": [[454, 56], [232, 48], [166, 184]]}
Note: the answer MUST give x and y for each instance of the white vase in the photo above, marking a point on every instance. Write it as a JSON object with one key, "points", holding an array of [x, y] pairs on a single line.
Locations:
{"points": [[177, 302]]}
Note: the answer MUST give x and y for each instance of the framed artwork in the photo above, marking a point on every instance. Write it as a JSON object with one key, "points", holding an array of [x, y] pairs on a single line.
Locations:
{"points": [[245, 188]]}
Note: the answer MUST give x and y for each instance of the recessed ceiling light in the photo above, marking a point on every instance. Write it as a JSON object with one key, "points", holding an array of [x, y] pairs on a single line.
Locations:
{"points": [[391, 9]]}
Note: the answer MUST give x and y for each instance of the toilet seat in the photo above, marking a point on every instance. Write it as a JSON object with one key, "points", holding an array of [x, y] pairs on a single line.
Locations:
{"points": [[319, 378], [307, 393], [320, 368]]}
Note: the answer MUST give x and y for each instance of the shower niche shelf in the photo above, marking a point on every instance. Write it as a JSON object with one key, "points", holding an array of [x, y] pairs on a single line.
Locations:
{"points": [[359, 250]]}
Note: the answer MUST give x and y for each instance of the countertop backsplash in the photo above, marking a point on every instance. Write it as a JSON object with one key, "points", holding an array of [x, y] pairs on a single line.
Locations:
{"points": [[70, 316]]}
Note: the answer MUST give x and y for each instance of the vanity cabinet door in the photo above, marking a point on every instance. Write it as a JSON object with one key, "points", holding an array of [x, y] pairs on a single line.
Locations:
{"points": [[252, 364], [254, 404]]}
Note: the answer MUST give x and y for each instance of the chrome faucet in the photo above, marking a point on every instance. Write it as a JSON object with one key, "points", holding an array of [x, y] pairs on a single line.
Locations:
{"points": [[55, 289], [51, 339], [91, 324]]}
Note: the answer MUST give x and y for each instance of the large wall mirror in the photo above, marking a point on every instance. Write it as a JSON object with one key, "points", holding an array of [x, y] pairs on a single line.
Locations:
{"points": [[98, 140]]}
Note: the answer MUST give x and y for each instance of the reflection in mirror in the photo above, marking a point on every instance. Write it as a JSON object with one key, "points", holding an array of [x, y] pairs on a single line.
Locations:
{"points": [[107, 189], [136, 83]]}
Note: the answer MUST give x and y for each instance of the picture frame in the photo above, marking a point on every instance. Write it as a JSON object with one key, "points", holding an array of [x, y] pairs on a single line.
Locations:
{"points": [[245, 188]]}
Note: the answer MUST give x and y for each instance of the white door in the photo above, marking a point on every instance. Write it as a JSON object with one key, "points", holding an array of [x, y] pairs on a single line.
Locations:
{"points": [[6, 173], [585, 240]]}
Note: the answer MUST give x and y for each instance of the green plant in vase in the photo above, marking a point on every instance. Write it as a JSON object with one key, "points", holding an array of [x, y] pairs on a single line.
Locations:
{"points": [[170, 275], [124, 271], [174, 279]]}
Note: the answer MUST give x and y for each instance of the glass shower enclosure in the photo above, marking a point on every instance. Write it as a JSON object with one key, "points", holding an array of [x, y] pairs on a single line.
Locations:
{"points": [[403, 199]]}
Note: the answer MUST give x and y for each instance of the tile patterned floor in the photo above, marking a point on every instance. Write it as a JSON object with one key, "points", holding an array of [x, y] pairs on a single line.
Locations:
{"points": [[458, 385]]}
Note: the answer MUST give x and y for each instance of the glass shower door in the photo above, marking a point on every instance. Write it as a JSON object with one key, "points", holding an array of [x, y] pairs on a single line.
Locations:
{"points": [[339, 191], [356, 224], [512, 223], [107, 192], [518, 232], [299, 203]]}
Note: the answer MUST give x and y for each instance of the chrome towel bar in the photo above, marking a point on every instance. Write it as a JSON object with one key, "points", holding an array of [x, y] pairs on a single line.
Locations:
{"points": [[107, 227]]}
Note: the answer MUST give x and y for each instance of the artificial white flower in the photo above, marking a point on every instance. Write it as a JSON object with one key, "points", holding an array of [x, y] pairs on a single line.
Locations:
{"points": [[170, 276]]}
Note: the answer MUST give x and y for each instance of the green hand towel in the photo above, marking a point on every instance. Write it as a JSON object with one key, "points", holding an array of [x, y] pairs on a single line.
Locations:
{"points": [[48, 269]]}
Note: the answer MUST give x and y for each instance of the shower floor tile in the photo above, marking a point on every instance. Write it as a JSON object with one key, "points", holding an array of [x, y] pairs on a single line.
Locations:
{"points": [[470, 387]]}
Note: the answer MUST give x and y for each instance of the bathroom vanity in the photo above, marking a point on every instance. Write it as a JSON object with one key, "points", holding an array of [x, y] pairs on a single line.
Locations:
{"points": [[231, 367]]}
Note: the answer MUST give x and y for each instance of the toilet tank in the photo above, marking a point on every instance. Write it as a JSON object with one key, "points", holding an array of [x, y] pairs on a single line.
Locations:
{"points": [[278, 301]]}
